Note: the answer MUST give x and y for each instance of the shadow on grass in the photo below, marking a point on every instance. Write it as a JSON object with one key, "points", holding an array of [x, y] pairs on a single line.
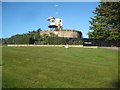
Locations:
{"points": [[116, 84]]}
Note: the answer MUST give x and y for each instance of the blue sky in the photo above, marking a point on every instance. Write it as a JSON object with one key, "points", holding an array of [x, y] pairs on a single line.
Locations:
{"points": [[21, 17]]}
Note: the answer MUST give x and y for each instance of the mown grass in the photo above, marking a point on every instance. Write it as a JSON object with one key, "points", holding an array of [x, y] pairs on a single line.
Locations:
{"points": [[57, 67], [0, 67]]}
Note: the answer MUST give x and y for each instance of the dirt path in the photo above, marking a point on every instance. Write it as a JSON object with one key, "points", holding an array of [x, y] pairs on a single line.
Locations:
{"points": [[112, 48]]}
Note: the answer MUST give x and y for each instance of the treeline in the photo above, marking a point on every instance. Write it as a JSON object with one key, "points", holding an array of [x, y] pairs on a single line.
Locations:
{"points": [[34, 37], [27, 38], [105, 24]]}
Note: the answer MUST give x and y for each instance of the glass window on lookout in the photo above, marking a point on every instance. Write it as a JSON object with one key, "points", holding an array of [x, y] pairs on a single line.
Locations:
{"points": [[53, 21]]}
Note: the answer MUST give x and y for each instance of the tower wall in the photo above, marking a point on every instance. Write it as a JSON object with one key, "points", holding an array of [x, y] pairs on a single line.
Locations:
{"points": [[63, 33]]}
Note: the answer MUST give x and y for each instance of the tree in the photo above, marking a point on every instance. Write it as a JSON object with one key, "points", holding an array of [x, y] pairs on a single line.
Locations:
{"points": [[106, 24], [38, 30]]}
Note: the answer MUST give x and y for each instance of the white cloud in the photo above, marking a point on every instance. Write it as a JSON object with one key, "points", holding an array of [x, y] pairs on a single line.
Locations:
{"points": [[56, 5]]}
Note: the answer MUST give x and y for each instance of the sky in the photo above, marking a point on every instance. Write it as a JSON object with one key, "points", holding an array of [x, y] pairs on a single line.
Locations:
{"points": [[21, 17], [0, 19]]}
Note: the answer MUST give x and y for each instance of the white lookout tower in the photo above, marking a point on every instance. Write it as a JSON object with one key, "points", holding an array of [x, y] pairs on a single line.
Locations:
{"points": [[55, 23]]}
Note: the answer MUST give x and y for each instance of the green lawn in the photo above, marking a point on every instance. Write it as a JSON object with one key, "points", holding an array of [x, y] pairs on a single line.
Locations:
{"points": [[57, 67], [0, 77]]}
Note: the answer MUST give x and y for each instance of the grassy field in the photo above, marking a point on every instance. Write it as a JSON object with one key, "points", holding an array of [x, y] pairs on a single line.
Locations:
{"points": [[0, 77], [57, 67]]}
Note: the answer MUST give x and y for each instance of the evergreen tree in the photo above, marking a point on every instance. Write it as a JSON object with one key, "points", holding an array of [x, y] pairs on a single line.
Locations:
{"points": [[106, 24]]}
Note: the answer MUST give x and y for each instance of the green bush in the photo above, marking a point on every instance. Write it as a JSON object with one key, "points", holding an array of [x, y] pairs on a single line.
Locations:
{"points": [[56, 40], [20, 39]]}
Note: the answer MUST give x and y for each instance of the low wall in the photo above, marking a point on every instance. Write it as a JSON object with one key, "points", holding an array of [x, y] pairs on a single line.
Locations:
{"points": [[26, 45]]}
